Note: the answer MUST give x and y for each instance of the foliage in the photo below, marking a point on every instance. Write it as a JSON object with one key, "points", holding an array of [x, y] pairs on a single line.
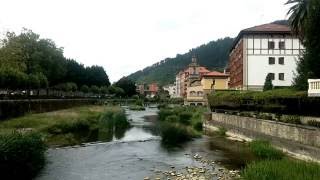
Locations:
{"points": [[173, 133], [264, 150], [185, 118], [280, 101], [282, 169], [305, 22], [213, 55], [137, 108], [29, 61], [84, 89], [314, 123], [22, 156], [127, 85], [268, 83], [222, 131], [291, 119], [94, 89]]}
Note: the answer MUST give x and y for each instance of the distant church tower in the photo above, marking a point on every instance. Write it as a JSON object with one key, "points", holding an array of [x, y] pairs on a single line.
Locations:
{"points": [[194, 69]]}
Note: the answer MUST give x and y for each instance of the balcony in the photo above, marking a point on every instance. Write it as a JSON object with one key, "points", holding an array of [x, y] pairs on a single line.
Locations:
{"points": [[314, 88]]}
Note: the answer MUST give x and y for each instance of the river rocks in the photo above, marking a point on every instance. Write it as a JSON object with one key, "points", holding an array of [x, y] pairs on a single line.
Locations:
{"points": [[204, 169]]}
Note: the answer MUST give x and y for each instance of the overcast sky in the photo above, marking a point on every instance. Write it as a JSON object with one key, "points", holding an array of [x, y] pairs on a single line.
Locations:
{"points": [[124, 36]]}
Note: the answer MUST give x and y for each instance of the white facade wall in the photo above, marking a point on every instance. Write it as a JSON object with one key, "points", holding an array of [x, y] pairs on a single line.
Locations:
{"points": [[256, 60], [178, 85]]}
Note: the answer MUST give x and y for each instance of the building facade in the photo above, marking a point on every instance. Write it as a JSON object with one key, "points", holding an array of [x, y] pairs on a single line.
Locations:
{"points": [[262, 50]]}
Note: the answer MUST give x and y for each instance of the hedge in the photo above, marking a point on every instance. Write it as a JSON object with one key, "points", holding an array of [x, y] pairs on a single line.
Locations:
{"points": [[281, 101]]}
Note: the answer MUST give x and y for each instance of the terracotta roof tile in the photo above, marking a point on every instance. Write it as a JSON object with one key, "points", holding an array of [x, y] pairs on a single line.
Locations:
{"points": [[215, 73]]}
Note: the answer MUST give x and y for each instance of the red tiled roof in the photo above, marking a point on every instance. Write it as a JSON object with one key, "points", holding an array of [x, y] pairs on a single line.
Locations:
{"points": [[263, 29], [215, 73], [203, 70], [268, 28]]}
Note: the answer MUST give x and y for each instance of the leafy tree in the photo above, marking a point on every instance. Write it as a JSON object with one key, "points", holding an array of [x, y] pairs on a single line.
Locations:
{"points": [[305, 21], [127, 85], [116, 91], [95, 89], [268, 83], [84, 89], [104, 89]]}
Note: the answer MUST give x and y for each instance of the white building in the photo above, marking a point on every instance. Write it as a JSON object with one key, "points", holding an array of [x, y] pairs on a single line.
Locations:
{"points": [[262, 50], [172, 89]]}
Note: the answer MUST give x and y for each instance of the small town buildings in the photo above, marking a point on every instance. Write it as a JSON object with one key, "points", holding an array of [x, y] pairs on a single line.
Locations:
{"points": [[314, 87], [148, 90], [201, 82], [262, 50], [171, 89]]}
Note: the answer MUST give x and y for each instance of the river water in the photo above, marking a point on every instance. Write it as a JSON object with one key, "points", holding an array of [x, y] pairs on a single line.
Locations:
{"points": [[137, 154]]}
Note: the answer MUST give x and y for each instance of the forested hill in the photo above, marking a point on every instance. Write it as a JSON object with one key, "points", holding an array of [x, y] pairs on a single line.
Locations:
{"points": [[213, 55]]}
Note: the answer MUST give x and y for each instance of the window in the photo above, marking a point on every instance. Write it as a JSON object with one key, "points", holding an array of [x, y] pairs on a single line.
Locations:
{"points": [[282, 45], [281, 76], [271, 76], [270, 45], [272, 60], [281, 60]]}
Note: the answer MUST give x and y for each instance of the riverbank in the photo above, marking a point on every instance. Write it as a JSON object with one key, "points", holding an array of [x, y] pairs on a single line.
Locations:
{"points": [[65, 127]]}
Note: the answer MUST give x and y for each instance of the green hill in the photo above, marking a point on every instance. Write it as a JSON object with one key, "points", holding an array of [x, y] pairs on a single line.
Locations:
{"points": [[213, 55]]}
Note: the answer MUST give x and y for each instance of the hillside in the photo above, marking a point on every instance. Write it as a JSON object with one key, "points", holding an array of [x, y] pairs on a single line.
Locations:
{"points": [[213, 55]]}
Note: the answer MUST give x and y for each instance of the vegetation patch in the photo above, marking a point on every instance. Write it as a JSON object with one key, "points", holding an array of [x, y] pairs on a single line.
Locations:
{"points": [[180, 124], [263, 150], [281, 169], [314, 123], [21, 155], [71, 126]]}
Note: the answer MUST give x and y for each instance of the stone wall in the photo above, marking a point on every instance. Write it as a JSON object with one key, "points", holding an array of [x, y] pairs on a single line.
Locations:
{"points": [[296, 139]]}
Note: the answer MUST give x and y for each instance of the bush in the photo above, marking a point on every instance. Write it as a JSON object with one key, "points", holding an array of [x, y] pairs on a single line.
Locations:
{"points": [[264, 150], [22, 156], [222, 131], [185, 118], [314, 123], [173, 134], [164, 113], [291, 119], [264, 116], [282, 169], [198, 126], [172, 119], [137, 108]]}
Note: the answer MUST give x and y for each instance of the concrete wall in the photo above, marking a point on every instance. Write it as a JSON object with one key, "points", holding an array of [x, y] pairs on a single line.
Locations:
{"points": [[303, 141]]}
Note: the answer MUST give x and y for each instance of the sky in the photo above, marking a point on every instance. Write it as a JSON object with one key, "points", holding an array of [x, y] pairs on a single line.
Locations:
{"points": [[124, 36]]}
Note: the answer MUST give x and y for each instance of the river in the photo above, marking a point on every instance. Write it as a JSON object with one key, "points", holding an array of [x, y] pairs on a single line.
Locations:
{"points": [[138, 154]]}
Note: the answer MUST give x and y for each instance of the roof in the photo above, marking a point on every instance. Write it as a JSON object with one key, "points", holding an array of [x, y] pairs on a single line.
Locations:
{"points": [[215, 74], [270, 28], [201, 70]]}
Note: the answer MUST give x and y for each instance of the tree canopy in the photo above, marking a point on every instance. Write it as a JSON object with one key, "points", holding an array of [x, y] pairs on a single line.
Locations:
{"points": [[30, 61]]}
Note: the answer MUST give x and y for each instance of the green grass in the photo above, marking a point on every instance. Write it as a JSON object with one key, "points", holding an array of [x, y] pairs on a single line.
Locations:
{"points": [[282, 170], [264, 150], [21, 155], [222, 131], [180, 124], [63, 127]]}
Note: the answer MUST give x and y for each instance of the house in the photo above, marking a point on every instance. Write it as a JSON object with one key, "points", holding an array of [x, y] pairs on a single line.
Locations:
{"points": [[262, 50], [201, 82], [148, 90], [171, 89], [183, 76]]}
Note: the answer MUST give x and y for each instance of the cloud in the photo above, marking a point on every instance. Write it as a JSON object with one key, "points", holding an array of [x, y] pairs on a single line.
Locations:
{"points": [[125, 36]]}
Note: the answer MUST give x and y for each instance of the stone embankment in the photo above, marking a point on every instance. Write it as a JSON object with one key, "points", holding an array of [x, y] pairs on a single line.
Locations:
{"points": [[300, 141]]}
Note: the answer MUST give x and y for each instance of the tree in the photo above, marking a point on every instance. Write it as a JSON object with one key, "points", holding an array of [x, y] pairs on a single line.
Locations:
{"points": [[305, 21], [268, 83], [127, 85], [95, 89], [84, 89]]}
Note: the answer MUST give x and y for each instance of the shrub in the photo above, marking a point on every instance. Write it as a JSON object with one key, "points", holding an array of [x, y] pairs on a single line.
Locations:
{"points": [[185, 118], [173, 134], [198, 126], [282, 169], [264, 150], [314, 123], [137, 108], [264, 116], [172, 119], [222, 131], [163, 113], [22, 156], [291, 119]]}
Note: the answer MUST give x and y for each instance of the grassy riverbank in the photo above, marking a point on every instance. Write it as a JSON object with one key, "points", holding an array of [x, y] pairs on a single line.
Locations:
{"points": [[272, 164], [65, 127], [180, 124]]}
